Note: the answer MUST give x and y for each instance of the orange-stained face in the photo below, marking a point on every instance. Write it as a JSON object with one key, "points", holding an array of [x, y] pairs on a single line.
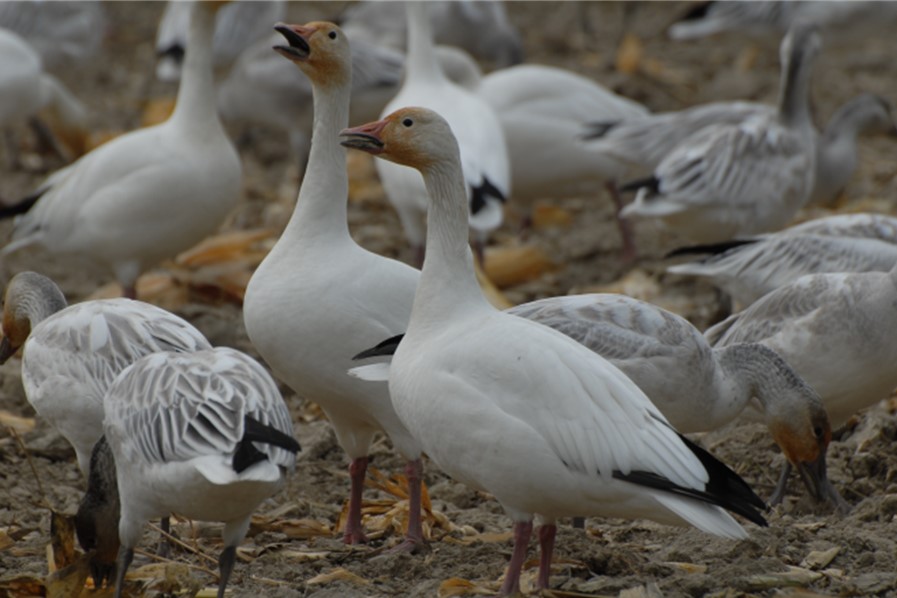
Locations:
{"points": [[804, 440], [320, 49], [412, 137]]}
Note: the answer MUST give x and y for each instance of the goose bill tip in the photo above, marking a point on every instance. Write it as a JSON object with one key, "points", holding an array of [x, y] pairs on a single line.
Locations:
{"points": [[363, 142]]}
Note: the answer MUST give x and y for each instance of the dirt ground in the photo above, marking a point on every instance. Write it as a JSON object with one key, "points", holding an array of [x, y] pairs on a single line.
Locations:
{"points": [[294, 549]]}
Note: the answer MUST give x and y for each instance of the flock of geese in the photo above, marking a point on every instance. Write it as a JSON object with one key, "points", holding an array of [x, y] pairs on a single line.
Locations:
{"points": [[568, 406]]}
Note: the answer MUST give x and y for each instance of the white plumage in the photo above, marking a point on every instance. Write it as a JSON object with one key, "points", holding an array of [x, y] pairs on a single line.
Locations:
{"points": [[149, 194], [484, 153], [72, 354], [486, 392], [318, 297], [205, 434]]}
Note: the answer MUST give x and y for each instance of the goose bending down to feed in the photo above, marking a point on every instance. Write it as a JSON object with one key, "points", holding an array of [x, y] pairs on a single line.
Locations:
{"points": [[70, 355], [318, 294], [747, 269], [205, 434], [749, 178], [467, 375], [835, 330], [483, 149], [147, 195], [696, 387]]}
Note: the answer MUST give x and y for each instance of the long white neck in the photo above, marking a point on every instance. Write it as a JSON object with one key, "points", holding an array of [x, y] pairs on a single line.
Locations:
{"points": [[321, 210], [421, 62], [196, 110], [448, 280]]}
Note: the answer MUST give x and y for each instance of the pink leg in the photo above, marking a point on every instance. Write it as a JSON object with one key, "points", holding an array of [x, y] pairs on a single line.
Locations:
{"points": [[130, 291], [354, 533], [522, 532], [414, 536], [628, 253], [546, 544]]}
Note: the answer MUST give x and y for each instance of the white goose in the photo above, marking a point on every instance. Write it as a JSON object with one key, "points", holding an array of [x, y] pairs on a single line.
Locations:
{"points": [[318, 296], [747, 269], [835, 330], [204, 434], [25, 87], [147, 195], [238, 26], [481, 29], [483, 149], [485, 391], [749, 178], [72, 354]]}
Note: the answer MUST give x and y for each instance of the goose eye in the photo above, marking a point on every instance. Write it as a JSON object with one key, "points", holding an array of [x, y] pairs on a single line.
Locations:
{"points": [[818, 431], [332, 35], [407, 122]]}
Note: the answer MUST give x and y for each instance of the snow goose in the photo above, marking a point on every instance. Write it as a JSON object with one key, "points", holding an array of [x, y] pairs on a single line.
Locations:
{"points": [[835, 330], [149, 194], [485, 391], [26, 89], [72, 354], [747, 269], [318, 295], [730, 180], [238, 26], [204, 434], [696, 387], [483, 148], [264, 89], [480, 28]]}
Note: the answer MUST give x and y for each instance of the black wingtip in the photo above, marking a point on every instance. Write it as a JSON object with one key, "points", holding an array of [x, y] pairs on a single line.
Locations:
{"points": [[711, 248], [481, 192], [247, 455], [385, 348], [21, 206], [697, 12], [725, 488], [651, 182]]}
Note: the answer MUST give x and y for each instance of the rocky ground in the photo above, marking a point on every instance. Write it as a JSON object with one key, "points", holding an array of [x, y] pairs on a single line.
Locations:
{"points": [[293, 548]]}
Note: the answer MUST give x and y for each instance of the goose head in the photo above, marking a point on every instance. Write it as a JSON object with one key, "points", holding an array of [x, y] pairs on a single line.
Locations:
{"points": [[415, 137], [30, 297], [320, 49], [803, 432], [875, 114]]}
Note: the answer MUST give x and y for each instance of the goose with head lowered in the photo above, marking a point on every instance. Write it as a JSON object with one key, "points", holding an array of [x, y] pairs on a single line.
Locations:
{"points": [[484, 153], [147, 195], [205, 434], [318, 294], [486, 392]]}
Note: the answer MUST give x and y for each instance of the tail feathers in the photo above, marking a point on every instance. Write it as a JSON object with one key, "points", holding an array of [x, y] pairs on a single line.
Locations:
{"points": [[711, 248], [707, 518], [652, 183], [725, 488], [377, 372], [387, 347], [255, 431]]}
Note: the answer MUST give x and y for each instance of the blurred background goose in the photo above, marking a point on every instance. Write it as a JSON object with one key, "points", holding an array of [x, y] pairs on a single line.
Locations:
{"points": [[753, 177], [149, 194], [484, 151], [747, 269], [205, 435]]}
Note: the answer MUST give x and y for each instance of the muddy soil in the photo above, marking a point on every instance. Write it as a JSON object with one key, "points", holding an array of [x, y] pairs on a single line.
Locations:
{"points": [[294, 548]]}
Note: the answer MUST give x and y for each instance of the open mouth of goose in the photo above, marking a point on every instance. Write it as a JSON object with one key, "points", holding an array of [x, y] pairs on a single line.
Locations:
{"points": [[362, 141], [298, 48]]}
